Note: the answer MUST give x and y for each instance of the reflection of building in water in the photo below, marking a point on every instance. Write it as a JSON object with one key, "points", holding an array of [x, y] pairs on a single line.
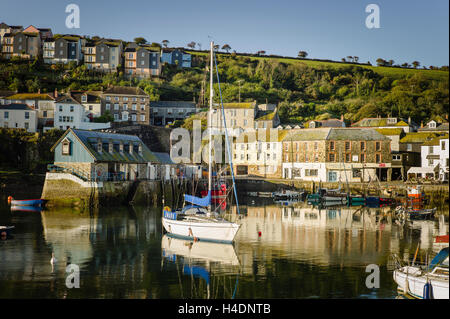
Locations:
{"points": [[323, 237]]}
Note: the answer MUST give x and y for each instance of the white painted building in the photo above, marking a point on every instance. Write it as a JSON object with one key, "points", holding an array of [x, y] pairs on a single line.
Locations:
{"points": [[71, 114], [19, 116], [435, 155]]}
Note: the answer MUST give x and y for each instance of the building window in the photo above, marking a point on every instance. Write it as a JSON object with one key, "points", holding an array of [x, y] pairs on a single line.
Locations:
{"points": [[348, 146], [116, 117], [91, 107], [362, 158], [142, 118], [116, 106], [108, 106], [348, 157], [65, 150], [331, 157], [133, 107], [332, 146], [378, 146], [396, 157], [71, 108], [60, 108], [125, 107], [316, 146], [6, 115], [108, 98], [27, 115], [430, 149], [363, 146], [443, 145], [27, 125], [409, 147], [84, 98], [378, 158], [311, 172], [99, 146]]}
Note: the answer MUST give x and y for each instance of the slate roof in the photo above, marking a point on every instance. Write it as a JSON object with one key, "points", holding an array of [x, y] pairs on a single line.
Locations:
{"points": [[419, 137], [389, 131], [125, 90], [349, 134], [16, 106], [242, 105], [435, 141], [164, 158], [263, 135], [377, 122], [91, 97], [174, 104], [30, 96], [89, 140], [314, 134]]}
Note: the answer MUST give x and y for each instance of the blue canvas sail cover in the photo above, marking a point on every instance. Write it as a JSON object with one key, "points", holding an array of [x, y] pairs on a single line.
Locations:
{"points": [[199, 201], [439, 258], [197, 271]]}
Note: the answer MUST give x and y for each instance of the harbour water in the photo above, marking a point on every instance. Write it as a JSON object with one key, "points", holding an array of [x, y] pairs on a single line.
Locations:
{"points": [[281, 251]]}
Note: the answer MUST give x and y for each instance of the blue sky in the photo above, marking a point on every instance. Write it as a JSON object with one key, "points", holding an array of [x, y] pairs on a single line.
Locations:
{"points": [[410, 30]]}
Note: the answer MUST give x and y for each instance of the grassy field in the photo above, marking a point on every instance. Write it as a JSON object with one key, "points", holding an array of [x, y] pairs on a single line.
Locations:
{"points": [[385, 71]]}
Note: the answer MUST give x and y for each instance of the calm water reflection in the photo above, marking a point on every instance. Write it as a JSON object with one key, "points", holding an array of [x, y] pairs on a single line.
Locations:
{"points": [[280, 252]]}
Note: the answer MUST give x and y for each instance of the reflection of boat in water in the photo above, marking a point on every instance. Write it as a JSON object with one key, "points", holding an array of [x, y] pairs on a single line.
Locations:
{"points": [[289, 195], [202, 261], [200, 250], [31, 209], [430, 282]]}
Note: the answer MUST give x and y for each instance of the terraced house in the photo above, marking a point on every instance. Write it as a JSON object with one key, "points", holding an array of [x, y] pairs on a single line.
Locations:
{"points": [[63, 49], [176, 56], [18, 116], [7, 45], [104, 55], [127, 104], [42, 103], [25, 44], [259, 152], [142, 61], [337, 155]]}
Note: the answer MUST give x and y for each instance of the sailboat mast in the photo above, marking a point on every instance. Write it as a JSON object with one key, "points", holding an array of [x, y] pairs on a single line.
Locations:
{"points": [[211, 95]]}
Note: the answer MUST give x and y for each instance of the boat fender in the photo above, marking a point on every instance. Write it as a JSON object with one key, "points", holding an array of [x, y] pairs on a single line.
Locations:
{"points": [[428, 291], [10, 198], [259, 234]]}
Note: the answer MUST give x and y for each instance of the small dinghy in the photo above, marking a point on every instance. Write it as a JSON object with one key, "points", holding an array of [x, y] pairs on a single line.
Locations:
{"points": [[27, 202], [421, 214]]}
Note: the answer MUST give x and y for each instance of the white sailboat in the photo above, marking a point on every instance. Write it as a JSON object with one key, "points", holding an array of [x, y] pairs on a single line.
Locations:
{"points": [[197, 221], [431, 282]]}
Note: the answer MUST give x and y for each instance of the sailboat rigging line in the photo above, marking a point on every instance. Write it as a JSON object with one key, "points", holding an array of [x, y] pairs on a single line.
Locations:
{"points": [[226, 134]]}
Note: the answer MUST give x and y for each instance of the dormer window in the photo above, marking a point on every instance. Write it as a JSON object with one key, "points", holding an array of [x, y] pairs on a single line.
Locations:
{"points": [[392, 120], [84, 98], [99, 146], [432, 124]]}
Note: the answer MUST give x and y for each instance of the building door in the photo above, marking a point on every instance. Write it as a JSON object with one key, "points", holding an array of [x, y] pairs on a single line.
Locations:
{"points": [[332, 176]]}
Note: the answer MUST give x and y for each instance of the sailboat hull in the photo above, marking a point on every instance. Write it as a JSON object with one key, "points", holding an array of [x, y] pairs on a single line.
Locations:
{"points": [[222, 231], [410, 281]]}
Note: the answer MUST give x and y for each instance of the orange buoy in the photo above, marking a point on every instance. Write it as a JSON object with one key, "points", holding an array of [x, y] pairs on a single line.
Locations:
{"points": [[10, 198]]}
